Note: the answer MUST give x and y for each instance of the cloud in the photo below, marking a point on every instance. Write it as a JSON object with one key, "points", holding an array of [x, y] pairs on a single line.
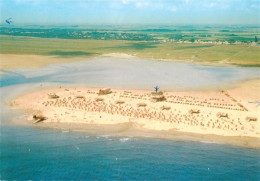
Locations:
{"points": [[186, 1], [125, 1], [212, 5], [137, 3], [218, 4], [29, 1], [162, 5], [141, 4]]}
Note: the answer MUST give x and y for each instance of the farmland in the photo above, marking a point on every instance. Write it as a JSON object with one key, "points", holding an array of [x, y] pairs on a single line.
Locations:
{"points": [[208, 45]]}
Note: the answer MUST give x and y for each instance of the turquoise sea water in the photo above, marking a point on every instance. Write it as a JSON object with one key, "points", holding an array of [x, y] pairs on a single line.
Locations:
{"points": [[47, 154]]}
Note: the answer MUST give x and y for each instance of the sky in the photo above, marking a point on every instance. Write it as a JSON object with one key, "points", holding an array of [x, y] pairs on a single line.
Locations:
{"points": [[130, 12]]}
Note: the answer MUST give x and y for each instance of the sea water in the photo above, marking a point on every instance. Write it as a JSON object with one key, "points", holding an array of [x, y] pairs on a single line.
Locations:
{"points": [[45, 154], [35, 153]]}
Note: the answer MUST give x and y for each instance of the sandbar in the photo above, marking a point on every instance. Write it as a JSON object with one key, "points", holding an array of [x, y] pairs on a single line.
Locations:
{"points": [[226, 113]]}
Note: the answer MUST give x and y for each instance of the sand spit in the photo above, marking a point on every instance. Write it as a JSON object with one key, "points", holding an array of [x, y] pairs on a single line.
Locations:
{"points": [[224, 113]]}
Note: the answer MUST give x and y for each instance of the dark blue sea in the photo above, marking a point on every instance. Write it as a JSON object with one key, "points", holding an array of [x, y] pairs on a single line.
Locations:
{"points": [[34, 153]]}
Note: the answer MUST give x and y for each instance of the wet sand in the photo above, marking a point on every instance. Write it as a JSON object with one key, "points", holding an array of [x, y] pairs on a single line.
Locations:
{"points": [[132, 73]]}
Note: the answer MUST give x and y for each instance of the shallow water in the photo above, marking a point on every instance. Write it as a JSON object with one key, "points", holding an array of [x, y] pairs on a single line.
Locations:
{"points": [[131, 73], [36, 153]]}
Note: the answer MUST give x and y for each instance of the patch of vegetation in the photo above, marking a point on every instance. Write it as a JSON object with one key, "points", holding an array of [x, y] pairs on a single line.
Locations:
{"points": [[168, 33], [70, 53], [223, 30], [137, 46], [159, 30], [193, 47], [76, 34], [247, 65]]}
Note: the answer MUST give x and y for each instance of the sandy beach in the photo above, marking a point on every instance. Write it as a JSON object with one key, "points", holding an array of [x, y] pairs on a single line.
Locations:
{"points": [[221, 113]]}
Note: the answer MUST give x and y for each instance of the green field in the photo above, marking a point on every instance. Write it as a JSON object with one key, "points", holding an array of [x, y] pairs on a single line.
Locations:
{"points": [[230, 34], [159, 48]]}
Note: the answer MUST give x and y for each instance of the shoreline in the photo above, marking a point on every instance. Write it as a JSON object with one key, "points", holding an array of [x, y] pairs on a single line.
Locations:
{"points": [[74, 116], [22, 61], [129, 131]]}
